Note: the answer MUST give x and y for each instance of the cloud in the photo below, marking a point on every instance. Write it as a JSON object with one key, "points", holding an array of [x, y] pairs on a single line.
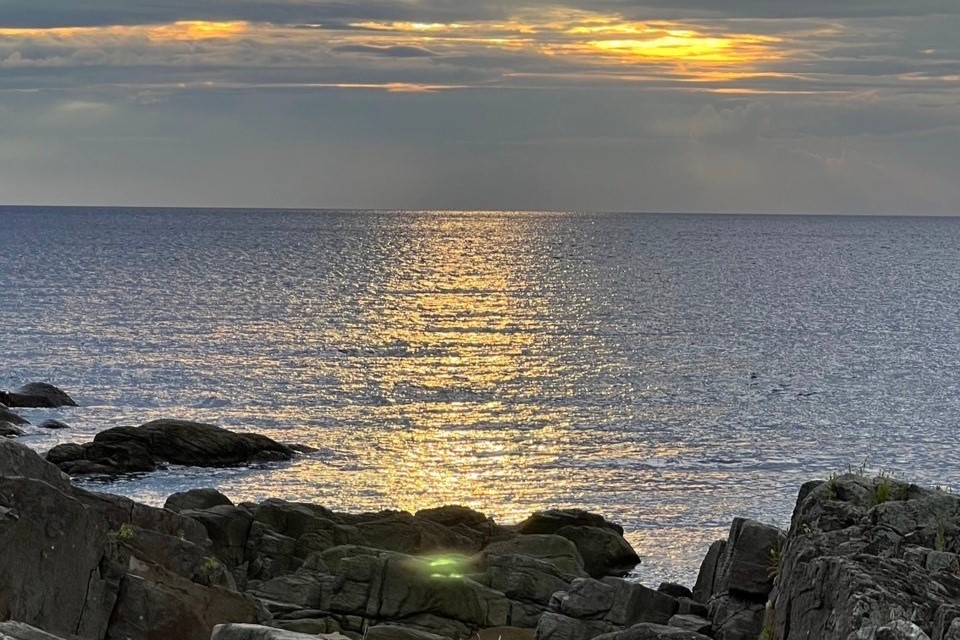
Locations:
{"points": [[610, 104], [387, 51]]}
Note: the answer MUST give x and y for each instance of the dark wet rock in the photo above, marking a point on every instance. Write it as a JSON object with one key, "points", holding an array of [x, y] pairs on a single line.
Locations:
{"points": [[196, 499], [7, 430], [53, 424], [675, 590], [555, 519], [11, 418], [152, 445], [604, 551], [37, 395]]}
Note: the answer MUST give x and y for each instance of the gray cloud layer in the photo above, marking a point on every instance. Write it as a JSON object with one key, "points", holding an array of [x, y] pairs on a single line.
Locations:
{"points": [[611, 105]]}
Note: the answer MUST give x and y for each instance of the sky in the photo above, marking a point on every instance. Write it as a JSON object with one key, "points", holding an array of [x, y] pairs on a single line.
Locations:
{"points": [[779, 106]]}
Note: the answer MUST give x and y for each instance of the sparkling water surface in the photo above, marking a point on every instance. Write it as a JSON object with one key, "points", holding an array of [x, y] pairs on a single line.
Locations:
{"points": [[670, 372]]}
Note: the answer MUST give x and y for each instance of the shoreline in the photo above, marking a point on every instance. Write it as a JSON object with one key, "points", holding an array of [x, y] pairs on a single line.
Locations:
{"points": [[864, 559]]}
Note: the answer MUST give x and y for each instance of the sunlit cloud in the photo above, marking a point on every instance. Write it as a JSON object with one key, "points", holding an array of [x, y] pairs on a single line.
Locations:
{"points": [[181, 31]]}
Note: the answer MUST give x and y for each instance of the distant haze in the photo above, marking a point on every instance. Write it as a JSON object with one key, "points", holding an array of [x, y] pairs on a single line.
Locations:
{"points": [[613, 105]]}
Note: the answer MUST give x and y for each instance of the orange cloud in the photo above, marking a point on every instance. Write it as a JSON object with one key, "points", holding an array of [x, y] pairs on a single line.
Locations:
{"points": [[184, 31]]}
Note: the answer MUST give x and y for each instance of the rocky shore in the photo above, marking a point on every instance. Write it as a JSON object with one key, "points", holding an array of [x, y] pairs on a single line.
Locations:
{"points": [[864, 558]]}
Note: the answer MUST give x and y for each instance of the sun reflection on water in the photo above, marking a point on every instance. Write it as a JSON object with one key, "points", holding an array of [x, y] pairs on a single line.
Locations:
{"points": [[449, 300]]}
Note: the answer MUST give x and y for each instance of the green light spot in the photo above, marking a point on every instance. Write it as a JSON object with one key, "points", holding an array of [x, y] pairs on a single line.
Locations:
{"points": [[444, 562]]}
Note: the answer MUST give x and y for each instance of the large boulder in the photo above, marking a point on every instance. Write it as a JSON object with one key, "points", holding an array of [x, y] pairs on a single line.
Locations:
{"points": [[862, 552], [100, 567], [604, 551], [599, 542], [37, 395], [150, 446]]}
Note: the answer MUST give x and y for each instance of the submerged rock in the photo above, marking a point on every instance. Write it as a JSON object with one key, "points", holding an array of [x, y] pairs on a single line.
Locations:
{"points": [[154, 444], [37, 395], [53, 424]]}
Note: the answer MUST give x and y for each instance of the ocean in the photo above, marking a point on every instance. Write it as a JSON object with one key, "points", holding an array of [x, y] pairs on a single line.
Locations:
{"points": [[668, 371]]}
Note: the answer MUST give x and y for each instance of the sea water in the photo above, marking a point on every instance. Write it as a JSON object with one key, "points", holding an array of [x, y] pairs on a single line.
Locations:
{"points": [[668, 371]]}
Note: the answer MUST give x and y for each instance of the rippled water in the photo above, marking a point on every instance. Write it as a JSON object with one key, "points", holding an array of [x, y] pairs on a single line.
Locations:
{"points": [[670, 372]]}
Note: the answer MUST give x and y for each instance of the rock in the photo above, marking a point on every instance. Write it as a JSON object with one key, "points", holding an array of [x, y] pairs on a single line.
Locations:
{"points": [[7, 430], [103, 567], [554, 551], [617, 602], [856, 558], [553, 520], [19, 631], [96, 458], [693, 623], [675, 590], [257, 632], [145, 448], [648, 631], [18, 460], [11, 418], [604, 552], [750, 562], [37, 395], [556, 626], [506, 633], [688, 605], [397, 632], [196, 499], [172, 607], [453, 515], [228, 528], [707, 578], [737, 576], [396, 531], [900, 630], [53, 424]]}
